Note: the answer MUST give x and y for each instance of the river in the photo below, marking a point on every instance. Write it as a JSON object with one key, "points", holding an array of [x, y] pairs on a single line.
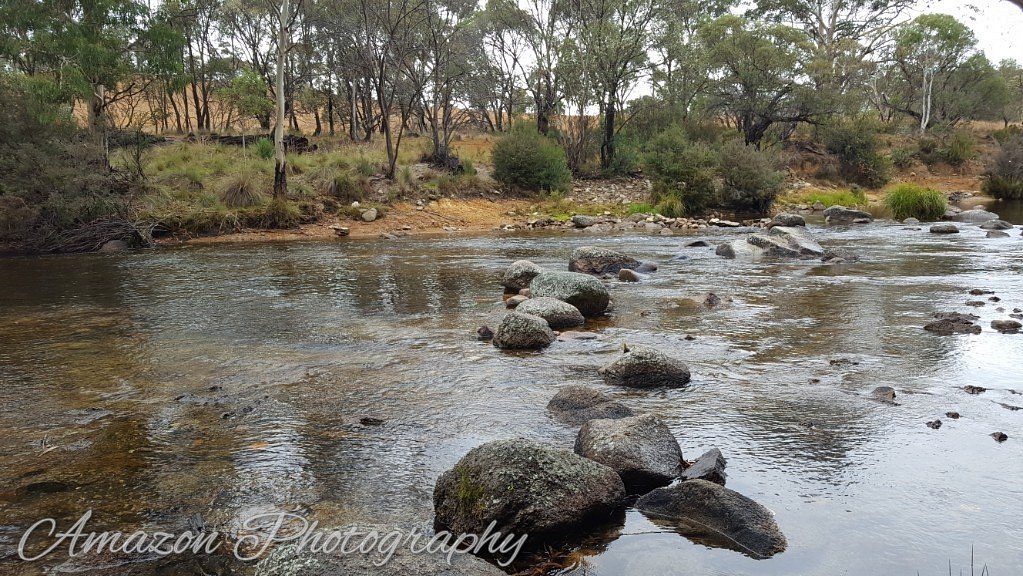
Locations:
{"points": [[229, 380]]}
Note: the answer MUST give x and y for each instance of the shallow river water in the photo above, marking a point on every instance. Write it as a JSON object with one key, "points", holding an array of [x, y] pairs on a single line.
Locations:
{"points": [[229, 380]]}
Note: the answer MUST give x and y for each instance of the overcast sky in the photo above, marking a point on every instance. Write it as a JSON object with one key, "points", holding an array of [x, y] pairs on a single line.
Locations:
{"points": [[998, 24]]}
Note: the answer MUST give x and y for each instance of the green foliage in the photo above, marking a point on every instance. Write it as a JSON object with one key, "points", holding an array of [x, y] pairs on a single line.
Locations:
{"points": [[848, 198], [640, 208], [248, 96], [280, 213], [524, 159], [751, 178], [265, 149], [364, 166], [683, 172], [903, 157], [958, 150], [1003, 135], [52, 179], [859, 153], [1004, 176], [348, 188], [468, 167], [626, 159], [912, 201]]}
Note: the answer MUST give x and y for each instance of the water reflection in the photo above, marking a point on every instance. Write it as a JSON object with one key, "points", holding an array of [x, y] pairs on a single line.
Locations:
{"points": [[224, 381]]}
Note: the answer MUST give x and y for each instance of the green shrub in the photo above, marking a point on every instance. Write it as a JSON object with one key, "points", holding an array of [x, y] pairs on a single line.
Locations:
{"points": [[364, 166], [526, 160], [683, 172], [751, 178], [1003, 178], [912, 201], [280, 213], [1006, 134], [903, 157], [348, 188], [958, 150], [265, 149], [469, 168], [858, 150]]}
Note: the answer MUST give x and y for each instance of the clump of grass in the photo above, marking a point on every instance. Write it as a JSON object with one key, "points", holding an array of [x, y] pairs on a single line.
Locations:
{"points": [[903, 157], [406, 181], [280, 213], [241, 190], [364, 166], [265, 149], [640, 208], [912, 201], [671, 206], [848, 198], [468, 167], [348, 188]]}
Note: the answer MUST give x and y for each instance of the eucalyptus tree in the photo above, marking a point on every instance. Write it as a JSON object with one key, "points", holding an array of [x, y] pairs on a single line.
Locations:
{"points": [[681, 69], [546, 27], [843, 36], [498, 78], [616, 37], [1012, 74], [285, 15], [759, 77], [928, 60]]}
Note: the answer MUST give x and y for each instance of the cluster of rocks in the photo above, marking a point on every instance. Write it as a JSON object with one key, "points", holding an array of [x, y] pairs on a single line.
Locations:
{"points": [[654, 223], [616, 453], [528, 487], [955, 217], [949, 323], [547, 300]]}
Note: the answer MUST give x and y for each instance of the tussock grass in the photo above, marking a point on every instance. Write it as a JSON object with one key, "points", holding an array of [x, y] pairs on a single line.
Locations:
{"points": [[912, 201]]}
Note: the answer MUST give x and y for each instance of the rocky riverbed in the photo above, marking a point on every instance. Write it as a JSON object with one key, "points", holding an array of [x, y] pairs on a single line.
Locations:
{"points": [[341, 382]]}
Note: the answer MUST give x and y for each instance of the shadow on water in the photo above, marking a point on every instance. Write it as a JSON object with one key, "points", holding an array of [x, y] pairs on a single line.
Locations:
{"points": [[224, 382]]}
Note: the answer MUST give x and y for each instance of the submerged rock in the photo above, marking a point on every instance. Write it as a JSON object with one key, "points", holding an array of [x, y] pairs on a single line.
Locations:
{"points": [[558, 314], [518, 331], [710, 467], [484, 333], [996, 225], [934, 424], [1006, 326], [949, 323], [114, 246], [596, 260], [519, 275], [884, 393], [526, 488], [843, 215], [717, 515], [626, 275], [944, 228], [576, 405], [997, 234], [641, 449], [999, 436], [646, 368], [583, 291]]}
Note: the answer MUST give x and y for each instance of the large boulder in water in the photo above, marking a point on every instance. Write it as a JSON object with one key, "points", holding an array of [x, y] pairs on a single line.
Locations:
{"points": [[787, 219], [577, 404], [583, 291], [525, 487], [641, 449], [996, 225], [596, 260], [779, 242], [975, 216], [717, 516], [289, 560], [843, 215], [518, 331], [558, 314], [519, 274], [646, 368]]}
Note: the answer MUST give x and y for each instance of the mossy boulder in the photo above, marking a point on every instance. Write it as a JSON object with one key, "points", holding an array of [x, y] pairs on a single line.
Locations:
{"points": [[583, 291], [596, 260], [577, 404], [641, 449], [558, 314], [519, 274], [525, 487], [518, 331], [646, 368]]}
